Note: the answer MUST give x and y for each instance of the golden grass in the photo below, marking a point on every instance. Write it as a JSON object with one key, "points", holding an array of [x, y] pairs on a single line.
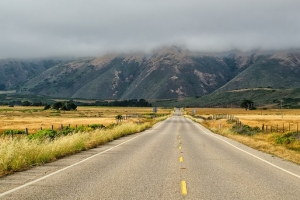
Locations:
{"points": [[33, 118], [22, 153], [210, 111], [289, 118], [261, 141]]}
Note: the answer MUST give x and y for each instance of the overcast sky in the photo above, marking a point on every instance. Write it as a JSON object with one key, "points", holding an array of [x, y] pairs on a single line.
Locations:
{"points": [[43, 28]]}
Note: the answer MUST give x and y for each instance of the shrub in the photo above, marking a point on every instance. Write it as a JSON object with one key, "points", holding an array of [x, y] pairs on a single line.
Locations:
{"points": [[7, 132], [285, 138], [97, 126], [112, 125], [44, 134], [245, 129], [66, 130]]}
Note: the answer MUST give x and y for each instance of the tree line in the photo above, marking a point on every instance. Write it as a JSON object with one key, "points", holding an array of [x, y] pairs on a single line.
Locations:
{"points": [[72, 105], [119, 103]]}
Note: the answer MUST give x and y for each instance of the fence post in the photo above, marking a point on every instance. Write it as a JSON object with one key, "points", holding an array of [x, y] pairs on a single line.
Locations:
{"points": [[297, 127], [76, 126], [289, 126], [61, 127], [52, 127], [26, 131], [41, 128]]}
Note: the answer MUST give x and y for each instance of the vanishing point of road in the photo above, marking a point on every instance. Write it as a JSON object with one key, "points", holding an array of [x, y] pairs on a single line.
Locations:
{"points": [[176, 159]]}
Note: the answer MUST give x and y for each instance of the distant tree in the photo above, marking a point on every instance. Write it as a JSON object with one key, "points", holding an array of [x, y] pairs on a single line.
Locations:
{"points": [[247, 104], [37, 103], [125, 103], [119, 118], [57, 105], [47, 107], [26, 103], [143, 103], [68, 106]]}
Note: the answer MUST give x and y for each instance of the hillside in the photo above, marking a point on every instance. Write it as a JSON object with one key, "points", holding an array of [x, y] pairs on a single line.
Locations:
{"points": [[280, 70], [14, 72], [262, 98], [167, 73]]}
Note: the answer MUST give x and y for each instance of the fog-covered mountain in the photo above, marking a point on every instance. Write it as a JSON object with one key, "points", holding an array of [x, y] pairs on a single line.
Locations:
{"points": [[163, 74]]}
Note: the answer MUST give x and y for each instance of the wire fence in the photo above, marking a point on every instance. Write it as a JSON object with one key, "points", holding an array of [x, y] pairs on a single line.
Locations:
{"points": [[265, 128]]}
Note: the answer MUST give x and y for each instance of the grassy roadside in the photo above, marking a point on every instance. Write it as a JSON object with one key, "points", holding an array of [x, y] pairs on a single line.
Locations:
{"points": [[281, 145], [23, 153]]}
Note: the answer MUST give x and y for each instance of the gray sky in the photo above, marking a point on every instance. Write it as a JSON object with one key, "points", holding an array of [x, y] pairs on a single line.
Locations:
{"points": [[42, 28]]}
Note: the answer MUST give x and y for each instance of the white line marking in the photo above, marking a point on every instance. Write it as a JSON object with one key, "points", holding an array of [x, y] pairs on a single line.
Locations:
{"points": [[291, 173], [63, 169]]}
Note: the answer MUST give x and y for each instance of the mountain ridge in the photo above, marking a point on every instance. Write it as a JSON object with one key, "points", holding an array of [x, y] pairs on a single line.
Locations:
{"points": [[166, 73]]}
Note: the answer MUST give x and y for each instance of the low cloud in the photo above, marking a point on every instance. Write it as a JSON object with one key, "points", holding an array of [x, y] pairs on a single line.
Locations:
{"points": [[46, 28]]}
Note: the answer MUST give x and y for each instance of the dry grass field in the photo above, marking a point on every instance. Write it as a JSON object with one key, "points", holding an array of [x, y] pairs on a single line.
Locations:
{"points": [[21, 152], [282, 140], [33, 118], [289, 118]]}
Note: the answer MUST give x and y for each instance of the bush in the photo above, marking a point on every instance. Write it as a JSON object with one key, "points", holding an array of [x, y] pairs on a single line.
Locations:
{"points": [[245, 129], [97, 126], [44, 134], [67, 130], [112, 125], [286, 138], [7, 132]]}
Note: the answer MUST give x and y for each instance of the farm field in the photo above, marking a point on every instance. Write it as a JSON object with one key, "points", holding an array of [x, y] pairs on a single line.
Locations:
{"points": [[280, 136], [289, 118], [33, 118], [26, 151]]}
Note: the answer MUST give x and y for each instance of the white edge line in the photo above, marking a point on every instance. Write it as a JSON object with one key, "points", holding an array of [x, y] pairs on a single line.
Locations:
{"points": [[263, 160], [63, 169]]}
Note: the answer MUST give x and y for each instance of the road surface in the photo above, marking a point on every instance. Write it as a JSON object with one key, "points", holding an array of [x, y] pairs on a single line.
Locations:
{"points": [[176, 159]]}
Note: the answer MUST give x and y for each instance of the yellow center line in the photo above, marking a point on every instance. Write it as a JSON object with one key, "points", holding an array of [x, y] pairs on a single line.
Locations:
{"points": [[181, 159], [183, 188], [180, 147]]}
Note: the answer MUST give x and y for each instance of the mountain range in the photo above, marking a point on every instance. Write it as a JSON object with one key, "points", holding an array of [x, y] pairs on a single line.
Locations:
{"points": [[166, 73]]}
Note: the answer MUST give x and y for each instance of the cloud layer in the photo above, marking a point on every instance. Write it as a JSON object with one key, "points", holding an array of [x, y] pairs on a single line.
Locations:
{"points": [[43, 28]]}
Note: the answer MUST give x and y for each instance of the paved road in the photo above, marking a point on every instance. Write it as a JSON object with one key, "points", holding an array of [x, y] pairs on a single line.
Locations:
{"points": [[176, 159]]}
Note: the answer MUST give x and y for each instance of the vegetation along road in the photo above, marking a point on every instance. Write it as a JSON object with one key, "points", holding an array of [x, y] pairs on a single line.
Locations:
{"points": [[176, 159]]}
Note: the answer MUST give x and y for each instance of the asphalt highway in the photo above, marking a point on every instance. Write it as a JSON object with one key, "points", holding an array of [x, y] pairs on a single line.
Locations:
{"points": [[176, 159]]}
